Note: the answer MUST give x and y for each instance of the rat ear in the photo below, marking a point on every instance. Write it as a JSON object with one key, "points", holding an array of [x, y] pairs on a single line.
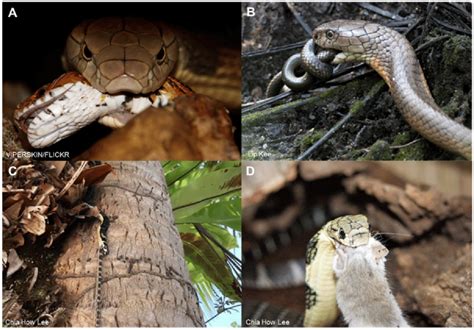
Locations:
{"points": [[378, 250]]}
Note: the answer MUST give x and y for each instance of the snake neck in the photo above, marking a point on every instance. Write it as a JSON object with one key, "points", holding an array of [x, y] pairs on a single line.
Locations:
{"points": [[411, 93], [209, 68], [321, 306], [394, 59]]}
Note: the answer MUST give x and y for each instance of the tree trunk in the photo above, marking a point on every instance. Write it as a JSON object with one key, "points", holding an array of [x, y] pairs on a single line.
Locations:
{"points": [[145, 281]]}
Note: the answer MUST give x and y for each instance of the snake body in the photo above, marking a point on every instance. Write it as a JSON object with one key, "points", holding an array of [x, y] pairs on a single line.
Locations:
{"points": [[315, 66], [276, 276], [104, 223], [283, 274], [119, 59], [321, 306], [391, 55]]}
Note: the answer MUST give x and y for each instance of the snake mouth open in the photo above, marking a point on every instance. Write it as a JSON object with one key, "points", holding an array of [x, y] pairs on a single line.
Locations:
{"points": [[53, 114]]}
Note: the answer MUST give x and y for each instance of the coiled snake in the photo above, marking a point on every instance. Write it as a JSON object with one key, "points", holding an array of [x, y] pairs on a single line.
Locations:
{"points": [[321, 306], [119, 66], [391, 55]]}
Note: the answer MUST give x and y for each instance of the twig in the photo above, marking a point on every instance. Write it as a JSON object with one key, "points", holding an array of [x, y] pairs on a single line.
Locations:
{"points": [[284, 107], [358, 135], [73, 178], [229, 255], [379, 11], [455, 7], [411, 27], [405, 22], [222, 311], [355, 109], [405, 145], [260, 104], [300, 19], [274, 50], [450, 27], [431, 8], [326, 137], [430, 43]]}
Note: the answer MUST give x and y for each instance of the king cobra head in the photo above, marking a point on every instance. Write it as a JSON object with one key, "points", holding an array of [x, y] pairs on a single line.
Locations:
{"points": [[350, 230], [117, 55]]}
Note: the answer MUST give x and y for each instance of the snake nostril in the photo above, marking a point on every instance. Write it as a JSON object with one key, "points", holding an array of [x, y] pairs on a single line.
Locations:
{"points": [[160, 57], [86, 53]]}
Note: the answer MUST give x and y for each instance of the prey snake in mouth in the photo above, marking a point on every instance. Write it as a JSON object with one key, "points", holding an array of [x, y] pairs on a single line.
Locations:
{"points": [[391, 55], [118, 68]]}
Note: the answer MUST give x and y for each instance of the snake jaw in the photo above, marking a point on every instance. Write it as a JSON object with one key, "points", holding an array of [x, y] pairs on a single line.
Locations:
{"points": [[130, 109], [69, 103], [344, 57]]}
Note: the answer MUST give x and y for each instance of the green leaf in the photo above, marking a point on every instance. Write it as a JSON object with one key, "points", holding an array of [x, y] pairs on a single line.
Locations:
{"points": [[209, 194], [199, 190], [176, 170], [222, 235], [225, 211], [211, 262]]}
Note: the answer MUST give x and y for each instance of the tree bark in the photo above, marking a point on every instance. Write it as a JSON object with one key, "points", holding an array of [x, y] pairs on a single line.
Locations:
{"points": [[145, 279]]}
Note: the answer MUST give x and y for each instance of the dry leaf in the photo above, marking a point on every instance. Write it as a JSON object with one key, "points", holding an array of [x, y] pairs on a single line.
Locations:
{"points": [[14, 262], [15, 241], [56, 165], [4, 258], [14, 211], [34, 220], [13, 199], [11, 307], [34, 277], [94, 175], [45, 189], [74, 194]]}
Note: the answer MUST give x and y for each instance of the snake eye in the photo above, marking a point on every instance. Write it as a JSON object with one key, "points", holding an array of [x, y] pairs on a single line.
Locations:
{"points": [[329, 34], [160, 57], [86, 53], [342, 234]]}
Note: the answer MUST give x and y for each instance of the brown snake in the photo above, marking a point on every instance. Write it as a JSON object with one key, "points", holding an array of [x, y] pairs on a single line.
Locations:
{"points": [[391, 55], [135, 55], [118, 66]]}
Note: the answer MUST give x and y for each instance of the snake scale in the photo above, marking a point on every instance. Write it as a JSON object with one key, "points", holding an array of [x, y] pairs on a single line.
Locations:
{"points": [[321, 306], [120, 66], [104, 223], [391, 55]]}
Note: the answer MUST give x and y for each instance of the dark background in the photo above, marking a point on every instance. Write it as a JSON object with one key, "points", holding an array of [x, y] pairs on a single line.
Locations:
{"points": [[33, 42]]}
